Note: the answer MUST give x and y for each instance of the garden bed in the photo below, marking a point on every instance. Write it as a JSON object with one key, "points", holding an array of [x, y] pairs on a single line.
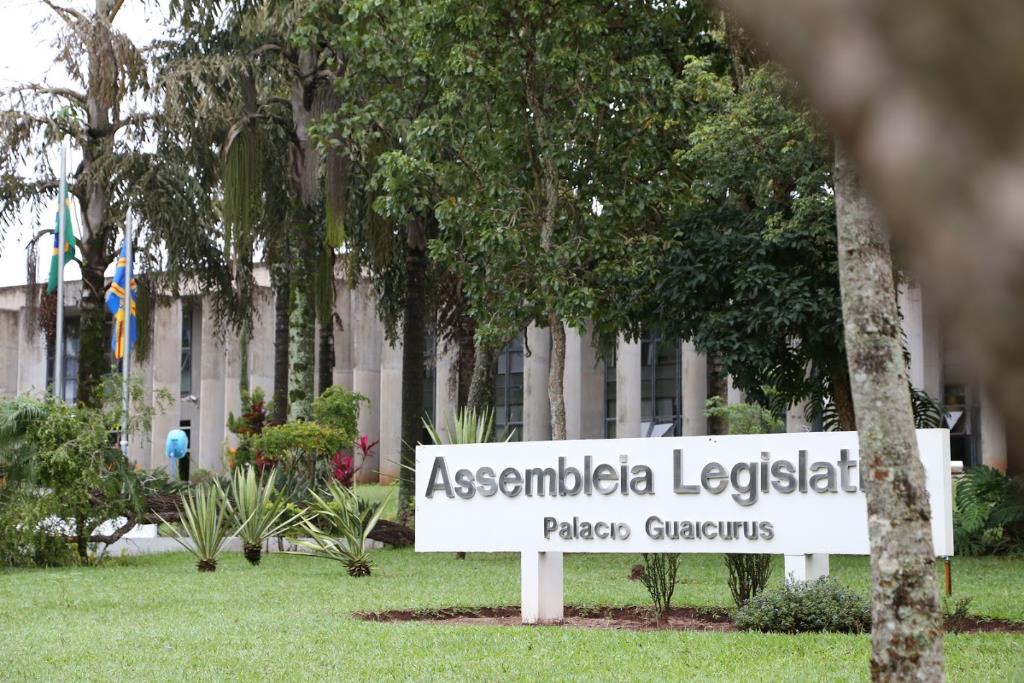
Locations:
{"points": [[632, 618]]}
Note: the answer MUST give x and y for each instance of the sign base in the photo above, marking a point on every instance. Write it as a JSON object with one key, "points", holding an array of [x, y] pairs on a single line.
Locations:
{"points": [[541, 587], [805, 567]]}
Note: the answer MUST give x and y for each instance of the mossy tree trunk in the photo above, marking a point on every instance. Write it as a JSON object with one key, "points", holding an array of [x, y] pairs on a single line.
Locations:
{"points": [[907, 623], [414, 329]]}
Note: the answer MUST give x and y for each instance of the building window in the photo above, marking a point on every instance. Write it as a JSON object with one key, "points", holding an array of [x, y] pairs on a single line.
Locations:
{"points": [[508, 392], [186, 349], [610, 416], [961, 415], [69, 392], [661, 391]]}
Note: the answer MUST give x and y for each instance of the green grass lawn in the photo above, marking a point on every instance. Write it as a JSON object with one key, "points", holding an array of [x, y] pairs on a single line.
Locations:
{"points": [[156, 618]]}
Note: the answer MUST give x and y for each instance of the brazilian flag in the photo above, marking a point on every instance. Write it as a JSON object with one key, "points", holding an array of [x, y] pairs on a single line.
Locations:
{"points": [[69, 247]]}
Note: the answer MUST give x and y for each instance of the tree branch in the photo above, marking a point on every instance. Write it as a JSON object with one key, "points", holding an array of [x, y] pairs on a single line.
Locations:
{"points": [[40, 89], [68, 15]]}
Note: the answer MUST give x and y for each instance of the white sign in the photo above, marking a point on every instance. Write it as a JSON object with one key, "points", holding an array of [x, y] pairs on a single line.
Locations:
{"points": [[786, 494]]}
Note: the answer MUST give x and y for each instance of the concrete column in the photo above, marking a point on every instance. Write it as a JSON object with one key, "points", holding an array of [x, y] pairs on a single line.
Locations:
{"points": [[733, 395], [232, 382], [627, 389], [389, 449], [584, 387], [367, 342], [536, 406], [209, 454], [446, 387], [923, 341], [31, 365], [261, 346], [343, 360], [993, 435], [541, 587], [9, 337], [695, 391], [795, 419], [805, 567], [166, 362]]}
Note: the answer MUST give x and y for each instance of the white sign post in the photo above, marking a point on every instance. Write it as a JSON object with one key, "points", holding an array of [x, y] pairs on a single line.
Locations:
{"points": [[798, 495]]}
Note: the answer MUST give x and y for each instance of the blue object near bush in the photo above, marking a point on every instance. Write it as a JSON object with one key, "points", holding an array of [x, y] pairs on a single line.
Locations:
{"points": [[177, 444]]}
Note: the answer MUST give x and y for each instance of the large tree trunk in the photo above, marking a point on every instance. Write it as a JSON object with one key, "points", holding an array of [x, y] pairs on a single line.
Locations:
{"points": [[414, 330], [481, 388], [94, 334], [325, 357], [556, 377], [282, 297], [842, 396], [907, 625], [301, 348]]}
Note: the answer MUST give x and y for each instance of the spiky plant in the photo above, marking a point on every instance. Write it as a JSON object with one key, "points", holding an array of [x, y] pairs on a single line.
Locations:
{"points": [[206, 518], [257, 511], [337, 525], [468, 426]]}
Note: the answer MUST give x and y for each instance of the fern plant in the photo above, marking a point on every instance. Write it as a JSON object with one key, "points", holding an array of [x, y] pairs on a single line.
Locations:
{"points": [[206, 518], [988, 512], [338, 525], [257, 510]]}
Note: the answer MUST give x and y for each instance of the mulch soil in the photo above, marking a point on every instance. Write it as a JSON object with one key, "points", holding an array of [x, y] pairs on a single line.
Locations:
{"points": [[632, 619]]}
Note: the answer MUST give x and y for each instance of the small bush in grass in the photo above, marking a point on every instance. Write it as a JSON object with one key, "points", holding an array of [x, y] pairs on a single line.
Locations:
{"points": [[658, 574], [807, 607], [748, 575]]}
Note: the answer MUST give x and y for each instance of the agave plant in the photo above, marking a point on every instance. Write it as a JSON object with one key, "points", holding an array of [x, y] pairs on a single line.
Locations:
{"points": [[206, 518], [337, 525], [468, 426], [258, 512]]}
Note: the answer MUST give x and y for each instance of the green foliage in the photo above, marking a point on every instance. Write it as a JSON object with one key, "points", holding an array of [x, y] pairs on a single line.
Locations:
{"points": [[988, 512], [26, 539], [338, 525], [748, 575], [806, 607], [744, 418], [206, 520], [256, 412], [467, 426], [658, 575], [338, 408], [257, 509]]}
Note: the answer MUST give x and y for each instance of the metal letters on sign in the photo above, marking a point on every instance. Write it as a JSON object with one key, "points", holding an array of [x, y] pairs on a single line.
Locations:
{"points": [[776, 493]]}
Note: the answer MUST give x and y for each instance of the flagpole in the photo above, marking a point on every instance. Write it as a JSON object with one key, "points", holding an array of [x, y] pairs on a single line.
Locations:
{"points": [[58, 352], [127, 331]]}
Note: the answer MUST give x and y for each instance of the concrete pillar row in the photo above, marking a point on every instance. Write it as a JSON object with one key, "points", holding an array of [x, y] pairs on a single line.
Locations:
{"points": [[536, 406], [993, 435], [695, 391], [627, 389]]}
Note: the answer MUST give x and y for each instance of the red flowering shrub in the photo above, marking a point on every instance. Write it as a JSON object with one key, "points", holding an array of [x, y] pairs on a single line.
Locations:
{"points": [[343, 467]]}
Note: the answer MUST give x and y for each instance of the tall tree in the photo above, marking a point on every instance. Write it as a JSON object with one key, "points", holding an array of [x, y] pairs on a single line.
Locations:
{"points": [[906, 632], [245, 65], [105, 116]]}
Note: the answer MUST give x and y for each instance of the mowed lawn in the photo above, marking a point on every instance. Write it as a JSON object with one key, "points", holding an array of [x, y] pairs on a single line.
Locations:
{"points": [[155, 618]]}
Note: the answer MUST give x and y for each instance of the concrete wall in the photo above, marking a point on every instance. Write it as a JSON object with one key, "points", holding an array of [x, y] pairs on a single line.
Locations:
{"points": [[536, 405], [9, 346], [627, 389]]}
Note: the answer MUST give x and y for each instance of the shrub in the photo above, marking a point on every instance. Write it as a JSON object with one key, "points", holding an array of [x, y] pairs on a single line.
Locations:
{"points": [[806, 607], [338, 409], [205, 519], [257, 510], [468, 426], [748, 575], [25, 537], [988, 512], [658, 575], [255, 416], [303, 451], [338, 525]]}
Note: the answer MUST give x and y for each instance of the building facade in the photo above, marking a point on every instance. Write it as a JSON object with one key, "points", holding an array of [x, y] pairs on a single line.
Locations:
{"points": [[649, 388]]}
